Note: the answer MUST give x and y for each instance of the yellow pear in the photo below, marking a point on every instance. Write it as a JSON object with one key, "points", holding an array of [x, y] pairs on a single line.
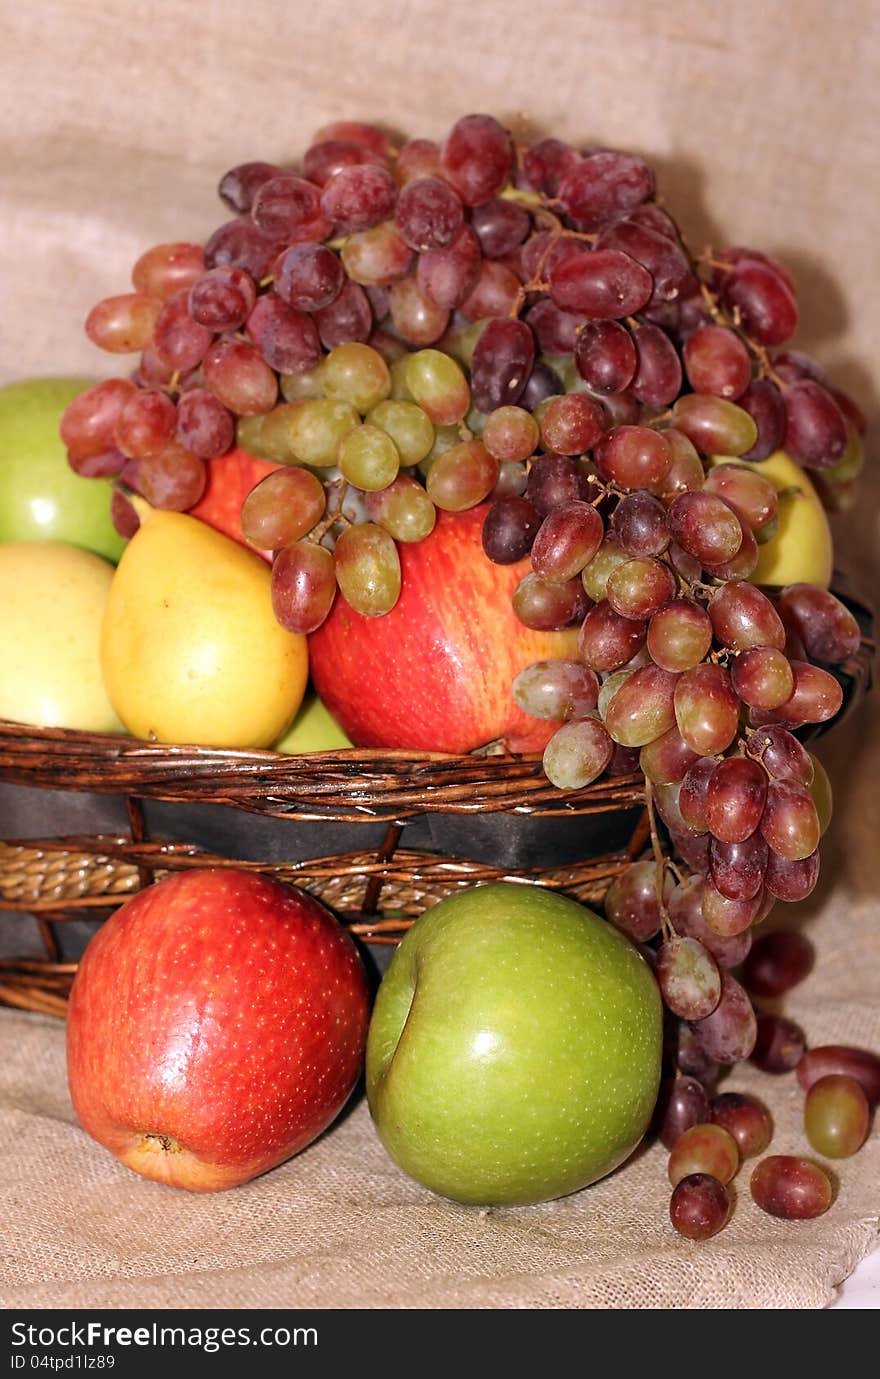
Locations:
{"points": [[53, 597], [801, 552], [190, 648]]}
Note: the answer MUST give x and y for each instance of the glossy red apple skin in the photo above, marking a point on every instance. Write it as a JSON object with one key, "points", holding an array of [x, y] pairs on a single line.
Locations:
{"points": [[230, 479], [435, 674], [217, 1025]]}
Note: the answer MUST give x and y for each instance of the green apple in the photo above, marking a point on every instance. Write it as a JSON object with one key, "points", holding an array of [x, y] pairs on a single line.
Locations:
{"points": [[41, 499], [514, 1050], [313, 730]]}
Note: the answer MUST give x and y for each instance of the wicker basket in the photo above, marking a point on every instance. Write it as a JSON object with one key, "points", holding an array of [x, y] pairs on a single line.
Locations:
{"points": [[379, 836]]}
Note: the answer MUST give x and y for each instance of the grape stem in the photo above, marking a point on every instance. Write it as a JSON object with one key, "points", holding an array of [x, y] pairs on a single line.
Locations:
{"points": [[660, 862], [334, 515]]}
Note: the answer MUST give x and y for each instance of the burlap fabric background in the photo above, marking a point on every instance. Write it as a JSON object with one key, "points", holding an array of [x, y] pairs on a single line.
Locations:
{"points": [[116, 123]]}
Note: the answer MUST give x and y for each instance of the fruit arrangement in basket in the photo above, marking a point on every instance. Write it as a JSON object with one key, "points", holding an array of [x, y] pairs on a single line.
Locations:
{"points": [[467, 434]]}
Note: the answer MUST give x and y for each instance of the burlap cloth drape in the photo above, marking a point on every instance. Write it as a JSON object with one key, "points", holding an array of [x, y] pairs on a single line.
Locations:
{"points": [[116, 122]]}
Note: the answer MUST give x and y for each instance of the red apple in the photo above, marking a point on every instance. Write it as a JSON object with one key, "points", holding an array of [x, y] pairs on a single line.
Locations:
{"points": [[435, 674], [217, 1024], [230, 479]]}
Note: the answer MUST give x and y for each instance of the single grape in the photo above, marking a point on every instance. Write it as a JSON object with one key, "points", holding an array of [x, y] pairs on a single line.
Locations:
{"points": [[222, 298], [705, 526], [691, 1058], [240, 378], [763, 402], [203, 424], [631, 901], [753, 496], [167, 269], [370, 136], [282, 508], [557, 332], [746, 1119], [556, 689], [417, 319], [667, 759], [303, 586], [717, 362], [500, 226], [475, 158], [509, 529], [679, 635], [577, 754], [495, 294], [428, 213], [179, 341], [699, 1206], [510, 433], [735, 796], [781, 755], [501, 363], [738, 869], [604, 285], [762, 677], [642, 709], [348, 317], [729, 916], [308, 276], [728, 1034], [790, 880], [706, 709], [836, 1116], [859, 1064], [123, 324], [173, 479], [688, 977], [741, 565], [791, 1188], [572, 424], [289, 208], [639, 523], [826, 627], [240, 244], [715, 426], [368, 458], [604, 186], [546, 607], [764, 300], [240, 184], [633, 456], [403, 509], [779, 1044], [566, 541], [554, 480], [657, 380], [606, 640], [546, 162], [694, 791], [448, 276], [438, 386], [357, 374], [145, 424], [815, 430], [286, 338], [640, 587], [367, 569], [777, 962], [742, 616], [682, 1102], [380, 258], [706, 1148], [605, 355], [790, 824], [462, 476]]}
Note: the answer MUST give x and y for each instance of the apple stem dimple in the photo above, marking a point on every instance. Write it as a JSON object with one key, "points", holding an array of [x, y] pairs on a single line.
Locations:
{"points": [[164, 1144]]}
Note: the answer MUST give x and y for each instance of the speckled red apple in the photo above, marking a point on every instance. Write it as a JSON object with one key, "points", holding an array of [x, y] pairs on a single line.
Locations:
{"points": [[435, 673], [217, 1025]]}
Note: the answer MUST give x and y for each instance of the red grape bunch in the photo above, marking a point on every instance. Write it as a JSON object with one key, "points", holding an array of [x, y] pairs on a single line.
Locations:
{"points": [[443, 325]]}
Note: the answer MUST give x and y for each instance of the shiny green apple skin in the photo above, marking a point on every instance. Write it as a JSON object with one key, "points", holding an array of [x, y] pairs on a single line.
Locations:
{"points": [[514, 1050], [313, 730], [41, 499]]}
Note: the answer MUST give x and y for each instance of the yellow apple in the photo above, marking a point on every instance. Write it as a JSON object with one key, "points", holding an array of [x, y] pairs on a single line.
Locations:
{"points": [[190, 647], [801, 551], [53, 597]]}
